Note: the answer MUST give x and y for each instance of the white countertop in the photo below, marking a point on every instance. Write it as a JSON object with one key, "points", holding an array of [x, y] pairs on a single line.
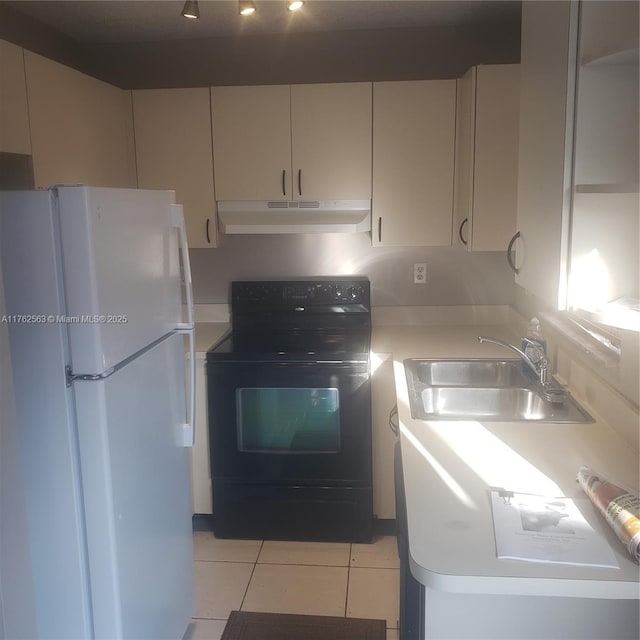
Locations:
{"points": [[449, 468]]}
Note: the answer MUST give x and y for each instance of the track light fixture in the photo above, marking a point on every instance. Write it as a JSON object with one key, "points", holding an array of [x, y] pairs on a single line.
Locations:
{"points": [[246, 7], [191, 10]]}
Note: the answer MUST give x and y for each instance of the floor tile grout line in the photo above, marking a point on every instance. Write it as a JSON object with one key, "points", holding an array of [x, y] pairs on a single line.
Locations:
{"points": [[303, 564], [306, 564], [346, 593], [259, 552], [227, 561], [255, 564]]}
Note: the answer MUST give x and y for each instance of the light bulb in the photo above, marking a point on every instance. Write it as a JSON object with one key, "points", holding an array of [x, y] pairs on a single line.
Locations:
{"points": [[246, 7], [191, 10]]}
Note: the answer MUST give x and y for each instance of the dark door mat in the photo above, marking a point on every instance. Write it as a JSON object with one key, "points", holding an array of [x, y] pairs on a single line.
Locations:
{"points": [[247, 625]]}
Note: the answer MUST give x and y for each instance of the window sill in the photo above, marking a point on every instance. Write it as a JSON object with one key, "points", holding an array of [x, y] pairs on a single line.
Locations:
{"points": [[601, 347]]}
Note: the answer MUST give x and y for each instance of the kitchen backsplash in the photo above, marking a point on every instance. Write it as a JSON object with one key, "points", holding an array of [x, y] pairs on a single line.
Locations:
{"points": [[454, 277]]}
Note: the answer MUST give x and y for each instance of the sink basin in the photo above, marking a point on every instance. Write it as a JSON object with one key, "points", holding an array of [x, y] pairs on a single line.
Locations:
{"points": [[490, 390], [523, 404], [468, 373]]}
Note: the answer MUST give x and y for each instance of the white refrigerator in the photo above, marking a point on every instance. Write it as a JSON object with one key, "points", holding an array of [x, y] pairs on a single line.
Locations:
{"points": [[99, 336]]}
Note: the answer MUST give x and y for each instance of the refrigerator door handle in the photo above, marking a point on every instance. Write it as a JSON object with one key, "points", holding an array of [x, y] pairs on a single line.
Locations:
{"points": [[177, 219], [188, 429]]}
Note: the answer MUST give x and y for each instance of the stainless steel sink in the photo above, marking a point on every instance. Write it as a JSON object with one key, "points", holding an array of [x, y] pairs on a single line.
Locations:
{"points": [[469, 373], [490, 390]]}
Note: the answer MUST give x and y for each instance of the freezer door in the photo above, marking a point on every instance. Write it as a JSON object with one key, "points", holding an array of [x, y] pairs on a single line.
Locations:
{"points": [[121, 266], [135, 472]]}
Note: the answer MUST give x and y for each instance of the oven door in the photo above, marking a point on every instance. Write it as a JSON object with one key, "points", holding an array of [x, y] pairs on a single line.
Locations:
{"points": [[306, 424]]}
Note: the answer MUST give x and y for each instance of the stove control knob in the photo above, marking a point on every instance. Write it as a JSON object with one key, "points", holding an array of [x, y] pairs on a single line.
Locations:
{"points": [[354, 293]]}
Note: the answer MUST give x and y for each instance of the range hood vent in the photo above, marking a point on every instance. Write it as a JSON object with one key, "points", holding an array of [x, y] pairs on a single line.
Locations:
{"points": [[292, 216], [293, 204]]}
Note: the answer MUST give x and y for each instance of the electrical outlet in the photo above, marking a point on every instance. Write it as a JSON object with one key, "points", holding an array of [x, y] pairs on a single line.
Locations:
{"points": [[420, 273]]}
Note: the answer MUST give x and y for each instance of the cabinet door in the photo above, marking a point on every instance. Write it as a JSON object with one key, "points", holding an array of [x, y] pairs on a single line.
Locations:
{"points": [[464, 159], [487, 123], [495, 175], [547, 83], [413, 162], [252, 142], [331, 133], [173, 151], [14, 116], [81, 128]]}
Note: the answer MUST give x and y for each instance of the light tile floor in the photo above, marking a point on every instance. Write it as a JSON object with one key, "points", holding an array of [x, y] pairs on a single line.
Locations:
{"points": [[316, 578]]}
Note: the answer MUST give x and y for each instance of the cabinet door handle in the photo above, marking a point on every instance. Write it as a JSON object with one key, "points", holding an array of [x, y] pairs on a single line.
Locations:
{"points": [[394, 424], [284, 187], [299, 181], [510, 251], [464, 242], [380, 229], [207, 229]]}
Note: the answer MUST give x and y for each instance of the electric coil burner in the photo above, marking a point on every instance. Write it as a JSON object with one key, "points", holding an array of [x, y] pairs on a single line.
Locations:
{"points": [[290, 412]]}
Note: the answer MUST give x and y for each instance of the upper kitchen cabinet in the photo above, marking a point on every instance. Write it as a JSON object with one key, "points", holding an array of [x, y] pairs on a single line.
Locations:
{"points": [[413, 162], [81, 128], [252, 149], [14, 114], [604, 265], [174, 151], [331, 141], [301, 142], [486, 173], [547, 83]]}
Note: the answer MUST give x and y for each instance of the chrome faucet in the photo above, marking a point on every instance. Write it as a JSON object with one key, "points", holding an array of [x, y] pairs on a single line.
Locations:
{"points": [[551, 390], [540, 366]]}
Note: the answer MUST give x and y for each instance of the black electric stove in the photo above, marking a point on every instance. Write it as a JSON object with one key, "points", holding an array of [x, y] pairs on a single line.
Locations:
{"points": [[290, 412]]}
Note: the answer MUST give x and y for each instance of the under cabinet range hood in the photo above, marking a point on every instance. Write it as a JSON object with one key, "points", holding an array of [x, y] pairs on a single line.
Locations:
{"points": [[291, 216]]}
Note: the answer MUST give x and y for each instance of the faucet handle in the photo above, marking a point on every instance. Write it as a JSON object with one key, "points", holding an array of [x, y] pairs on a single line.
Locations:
{"points": [[537, 354], [535, 351]]}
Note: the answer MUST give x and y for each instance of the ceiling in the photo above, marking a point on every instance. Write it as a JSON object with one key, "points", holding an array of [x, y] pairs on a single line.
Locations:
{"points": [[113, 21]]}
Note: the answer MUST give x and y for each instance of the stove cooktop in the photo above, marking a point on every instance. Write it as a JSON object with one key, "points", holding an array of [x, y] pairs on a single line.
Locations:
{"points": [[292, 346], [302, 320]]}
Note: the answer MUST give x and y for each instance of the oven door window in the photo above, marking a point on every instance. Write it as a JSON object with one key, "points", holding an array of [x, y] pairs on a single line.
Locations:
{"points": [[288, 420]]}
